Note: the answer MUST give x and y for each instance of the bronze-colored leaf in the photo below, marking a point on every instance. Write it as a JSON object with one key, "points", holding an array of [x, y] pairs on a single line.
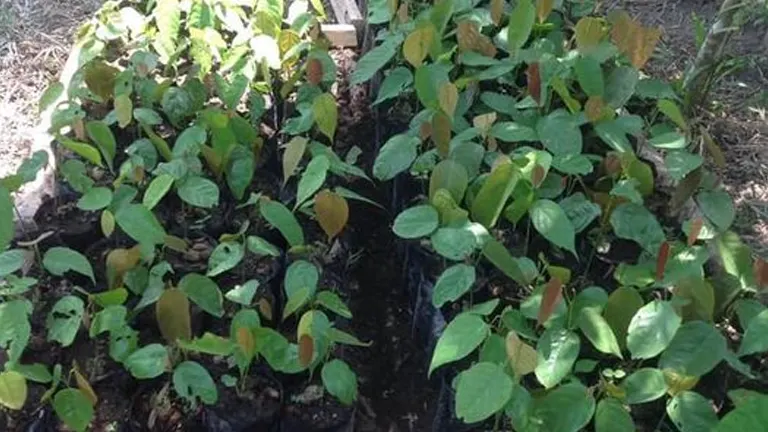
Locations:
{"points": [[306, 349], [497, 11], [332, 212], [661, 260], [314, 71], [553, 293], [594, 108], [685, 190], [633, 39], [441, 132], [677, 383], [760, 268], [84, 386], [693, 235], [100, 78], [120, 261], [534, 81], [265, 308], [537, 175], [174, 243], [713, 149], [544, 8], [425, 130], [416, 45], [78, 126], [107, 223], [589, 32], [522, 357], [172, 314], [448, 97], [470, 39], [246, 341], [483, 122]]}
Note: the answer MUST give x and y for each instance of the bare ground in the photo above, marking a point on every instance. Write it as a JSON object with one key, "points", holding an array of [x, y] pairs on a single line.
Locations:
{"points": [[35, 36]]}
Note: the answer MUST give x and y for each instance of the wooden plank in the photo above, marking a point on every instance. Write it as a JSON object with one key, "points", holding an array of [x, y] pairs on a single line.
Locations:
{"points": [[340, 35], [347, 12]]}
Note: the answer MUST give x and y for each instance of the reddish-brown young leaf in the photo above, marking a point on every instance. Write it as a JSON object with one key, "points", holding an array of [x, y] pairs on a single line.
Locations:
{"points": [[544, 8], [497, 11], [314, 71], [246, 341], [612, 164], [470, 39], [760, 268], [425, 131], [693, 234], [537, 175], [265, 307], [441, 132], [534, 81], [661, 261], [306, 349], [79, 127], [594, 108], [553, 292]]}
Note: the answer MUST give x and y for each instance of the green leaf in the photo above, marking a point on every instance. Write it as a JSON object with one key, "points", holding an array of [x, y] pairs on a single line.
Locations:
{"points": [[331, 301], [550, 221], [11, 260], [13, 390], [567, 408], [652, 329], [209, 343], [494, 193], [6, 218], [243, 294], [512, 132], [177, 104], [192, 381], [620, 86], [224, 258], [147, 116], [557, 350], [644, 385], [59, 260], [64, 320], [86, 151], [281, 218], [123, 110], [167, 15], [521, 21], [454, 243], [751, 415], [14, 327], [395, 83], [50, 95], [611, 416], [109, 319], [455, 281], [692, 412], [140, 224], [199, 192], [461, 336], [695, 350], [590, 76], [312, 179], [338, 336], [482, 390], [736, 258], [580, 211], [95, 199], [428, 80], [231, 92], [754, 340], [597, 330], [259, 246], [340, 381], [560, 134], [240, 169], [204, 292], [73, 408], [301, 280], [623, 304], [148, 362], [495, 252], [669, 141], [680, 163], [451, 176], [415, 222], [156, 190], [672, 111], [102, 136], [395, 156], [717, 206], [375, 59], [326, 114], [634, 222]]}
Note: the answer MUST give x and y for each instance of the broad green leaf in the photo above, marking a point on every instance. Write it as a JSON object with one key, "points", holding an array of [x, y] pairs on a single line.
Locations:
{"points": [[86, 151], [417, 43], [140, 224], [102, 136], [156, 190], [199, 192], [559, 134], [634, 222], [669, 141], [652, 329], [672, 111], [521, 22], [644, 385], [622, 305], [312, 179], [73, 408], [395, 156], [337, 336], [59, 260], [580, 211], [558, 350], [240, 169], [455, 281], [680, 163], [224, 258], [204, 292], [11, 260], [123, 110], [243, 294], [177, 104], [109, 319], [482, 390], [281, 218], [331, 301], [695, 350], [592, 297], [326, 114], [754, 340], [692, 412], [259, 246], [148, 362], [394, 84], [13, 390], [167, 15], [15, 328], [340, 381], [95, 199], [512, 132], [611, 416], [495, 252], [375, 59], [209, 343], [454, 243], [620, 86], [6, 218], [192, 381], [751, 415], [590, 76], [737, 259], [50, 95], [64, 320], [461, 336], [717, 206], [416, 222], [522, 357], [147, 116], [567, 408], [427, 81], [301, 280], [550, 221], [494, 193], [294, 151], [597, 330], [451, 176]]}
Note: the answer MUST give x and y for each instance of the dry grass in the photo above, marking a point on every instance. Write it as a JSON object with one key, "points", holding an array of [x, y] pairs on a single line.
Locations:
{"points": [[35, 37]]}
